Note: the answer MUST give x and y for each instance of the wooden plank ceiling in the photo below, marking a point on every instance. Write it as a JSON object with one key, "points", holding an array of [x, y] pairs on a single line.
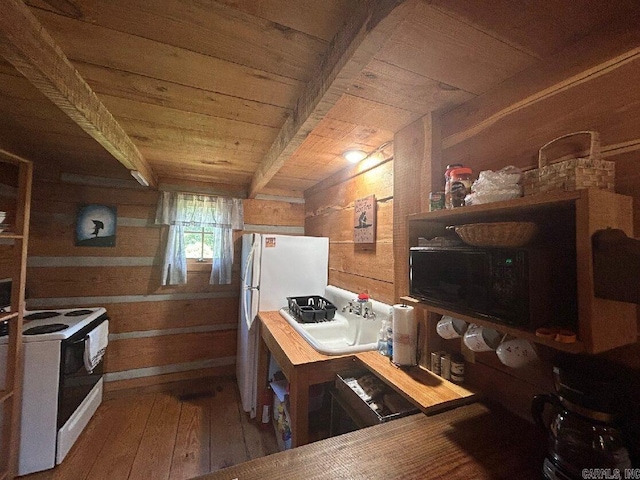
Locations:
{"points": [[265, 95]]}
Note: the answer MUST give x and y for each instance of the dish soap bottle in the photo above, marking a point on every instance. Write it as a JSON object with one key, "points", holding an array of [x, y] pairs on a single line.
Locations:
{"points": [[382, 337]]}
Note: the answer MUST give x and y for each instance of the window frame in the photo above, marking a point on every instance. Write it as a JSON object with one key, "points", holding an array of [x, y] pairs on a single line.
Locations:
{"points": [[191, 262]]}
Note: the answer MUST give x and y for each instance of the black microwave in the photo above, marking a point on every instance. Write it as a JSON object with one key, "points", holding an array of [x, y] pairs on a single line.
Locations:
{"points": [[507, 285]]}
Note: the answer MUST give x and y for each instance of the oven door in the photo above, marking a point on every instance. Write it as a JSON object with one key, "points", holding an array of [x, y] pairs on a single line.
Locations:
{"points": [[75, 381]]}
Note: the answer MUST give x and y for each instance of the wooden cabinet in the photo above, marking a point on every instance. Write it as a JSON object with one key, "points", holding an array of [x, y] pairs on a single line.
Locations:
{"points": [[566, 220], [13, 258]]}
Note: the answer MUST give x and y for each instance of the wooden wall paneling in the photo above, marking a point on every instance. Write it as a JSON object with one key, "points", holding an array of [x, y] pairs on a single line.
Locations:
{"points": [[330, 213], [600, 50], [376, 263], [338, 224], [172, 314], [205, 187], [539, 28], [256, 212], [50, 209], [593, 85], [7, 261], [600, 332], [627, 181], [416, 156], [604, 103], [147, 333], [378, 181], [379, 290], [54, 238], [56, 192], [509, 390], [46, 282], [132, 353]]}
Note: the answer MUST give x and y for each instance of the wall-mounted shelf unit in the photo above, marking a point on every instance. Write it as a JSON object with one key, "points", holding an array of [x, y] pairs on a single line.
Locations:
{"points": [[566, 220], [13, 263]]}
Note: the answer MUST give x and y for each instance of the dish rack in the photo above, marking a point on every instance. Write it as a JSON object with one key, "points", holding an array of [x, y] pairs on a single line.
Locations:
{"points": [[312, 308]]}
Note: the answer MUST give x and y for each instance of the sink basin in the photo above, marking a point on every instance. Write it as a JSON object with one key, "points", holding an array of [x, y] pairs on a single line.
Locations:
{"points": [[346, 333]]}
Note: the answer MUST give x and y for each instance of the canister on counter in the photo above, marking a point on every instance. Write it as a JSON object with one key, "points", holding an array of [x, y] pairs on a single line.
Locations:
{"points": [[460, 185], [436, 201], [435, 362], [457, 369], [445, 365], [447, 184]]}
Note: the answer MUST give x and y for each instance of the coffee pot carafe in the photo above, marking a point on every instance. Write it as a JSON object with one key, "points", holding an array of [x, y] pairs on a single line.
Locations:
{"points": [[584, 430]]}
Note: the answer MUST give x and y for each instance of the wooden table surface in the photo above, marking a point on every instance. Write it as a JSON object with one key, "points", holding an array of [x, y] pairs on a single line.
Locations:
{"points": [[468, 442], [303, 366]]}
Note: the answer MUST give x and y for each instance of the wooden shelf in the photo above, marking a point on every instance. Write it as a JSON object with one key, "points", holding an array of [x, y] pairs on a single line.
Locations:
{"points": [[8, 316], [14, 260], [520, 205], [577, 347], [566, 221], [5, 395]]}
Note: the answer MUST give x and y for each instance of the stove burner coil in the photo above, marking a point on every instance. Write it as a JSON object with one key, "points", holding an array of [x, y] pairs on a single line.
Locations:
{"points": [[42, 329], [78, 313], [41, 315]]}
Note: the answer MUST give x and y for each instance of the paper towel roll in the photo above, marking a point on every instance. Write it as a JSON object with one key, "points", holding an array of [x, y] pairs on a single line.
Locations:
{"points": [[405, 335]]}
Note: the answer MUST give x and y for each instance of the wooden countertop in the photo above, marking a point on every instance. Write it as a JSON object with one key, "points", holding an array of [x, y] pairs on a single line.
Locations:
{"points": [[428, 391], [472, 441]]}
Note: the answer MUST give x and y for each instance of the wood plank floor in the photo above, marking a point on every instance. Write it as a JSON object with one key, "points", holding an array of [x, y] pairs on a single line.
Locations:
{"points": [[167, 435]]}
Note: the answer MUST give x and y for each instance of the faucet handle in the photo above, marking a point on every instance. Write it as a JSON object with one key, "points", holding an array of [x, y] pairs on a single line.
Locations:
{"points": [[367, 311]]}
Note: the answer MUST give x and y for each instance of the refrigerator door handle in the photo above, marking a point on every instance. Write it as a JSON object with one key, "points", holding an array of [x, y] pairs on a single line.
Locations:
{"points": [[247, 287]]}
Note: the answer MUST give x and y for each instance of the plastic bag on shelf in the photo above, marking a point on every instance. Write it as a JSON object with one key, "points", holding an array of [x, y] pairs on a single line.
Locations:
{"points": [[495, 186]]}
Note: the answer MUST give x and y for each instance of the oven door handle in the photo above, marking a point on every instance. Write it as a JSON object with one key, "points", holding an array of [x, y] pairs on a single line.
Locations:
{"points": [[79, 341]]}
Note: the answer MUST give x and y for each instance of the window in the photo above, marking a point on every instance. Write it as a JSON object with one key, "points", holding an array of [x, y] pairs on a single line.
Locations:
{"points": [[198, 243], [197, 224]]}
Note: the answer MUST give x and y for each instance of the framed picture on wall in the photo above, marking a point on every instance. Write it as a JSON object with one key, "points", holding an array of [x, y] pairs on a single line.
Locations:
{"points": [[364, 228], [96, 226]]}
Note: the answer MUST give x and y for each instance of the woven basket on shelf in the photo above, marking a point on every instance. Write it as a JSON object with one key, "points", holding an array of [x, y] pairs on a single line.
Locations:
{"points": [[498, 234], [573, 174]]}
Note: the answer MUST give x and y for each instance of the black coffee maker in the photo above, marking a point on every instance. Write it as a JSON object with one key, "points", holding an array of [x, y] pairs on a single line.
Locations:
{"points": [[584, 422]]}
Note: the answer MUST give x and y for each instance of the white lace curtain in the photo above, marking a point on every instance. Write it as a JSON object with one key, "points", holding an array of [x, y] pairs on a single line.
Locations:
{"points": [[180, 210]]}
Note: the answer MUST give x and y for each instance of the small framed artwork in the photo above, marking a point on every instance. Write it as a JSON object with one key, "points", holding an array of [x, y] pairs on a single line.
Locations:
{"points": [[96, 226], [364, 228]]}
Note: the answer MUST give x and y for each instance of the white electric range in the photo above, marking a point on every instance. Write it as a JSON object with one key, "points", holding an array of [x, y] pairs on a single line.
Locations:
{"points": [[59, 395]]}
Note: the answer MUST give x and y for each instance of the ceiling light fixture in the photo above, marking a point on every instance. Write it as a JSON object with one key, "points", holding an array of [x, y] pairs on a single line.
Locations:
{"points": [[354, 156], [138, 176]]}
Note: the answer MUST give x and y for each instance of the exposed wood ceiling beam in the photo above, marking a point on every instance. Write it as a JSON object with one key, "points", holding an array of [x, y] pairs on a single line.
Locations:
{"points": [[353, 47], [30, 49]]}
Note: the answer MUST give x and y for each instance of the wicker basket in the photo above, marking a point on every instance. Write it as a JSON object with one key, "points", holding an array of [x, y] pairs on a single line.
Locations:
{"points": [[499, 234], [573, 174]]}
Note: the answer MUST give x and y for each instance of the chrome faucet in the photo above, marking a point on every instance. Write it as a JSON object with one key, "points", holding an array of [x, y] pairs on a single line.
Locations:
{"points": [[361, 307], [367, 311]]}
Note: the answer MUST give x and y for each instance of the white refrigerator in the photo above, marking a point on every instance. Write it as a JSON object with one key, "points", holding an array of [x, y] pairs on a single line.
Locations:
{"points": [[273, 268]]}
